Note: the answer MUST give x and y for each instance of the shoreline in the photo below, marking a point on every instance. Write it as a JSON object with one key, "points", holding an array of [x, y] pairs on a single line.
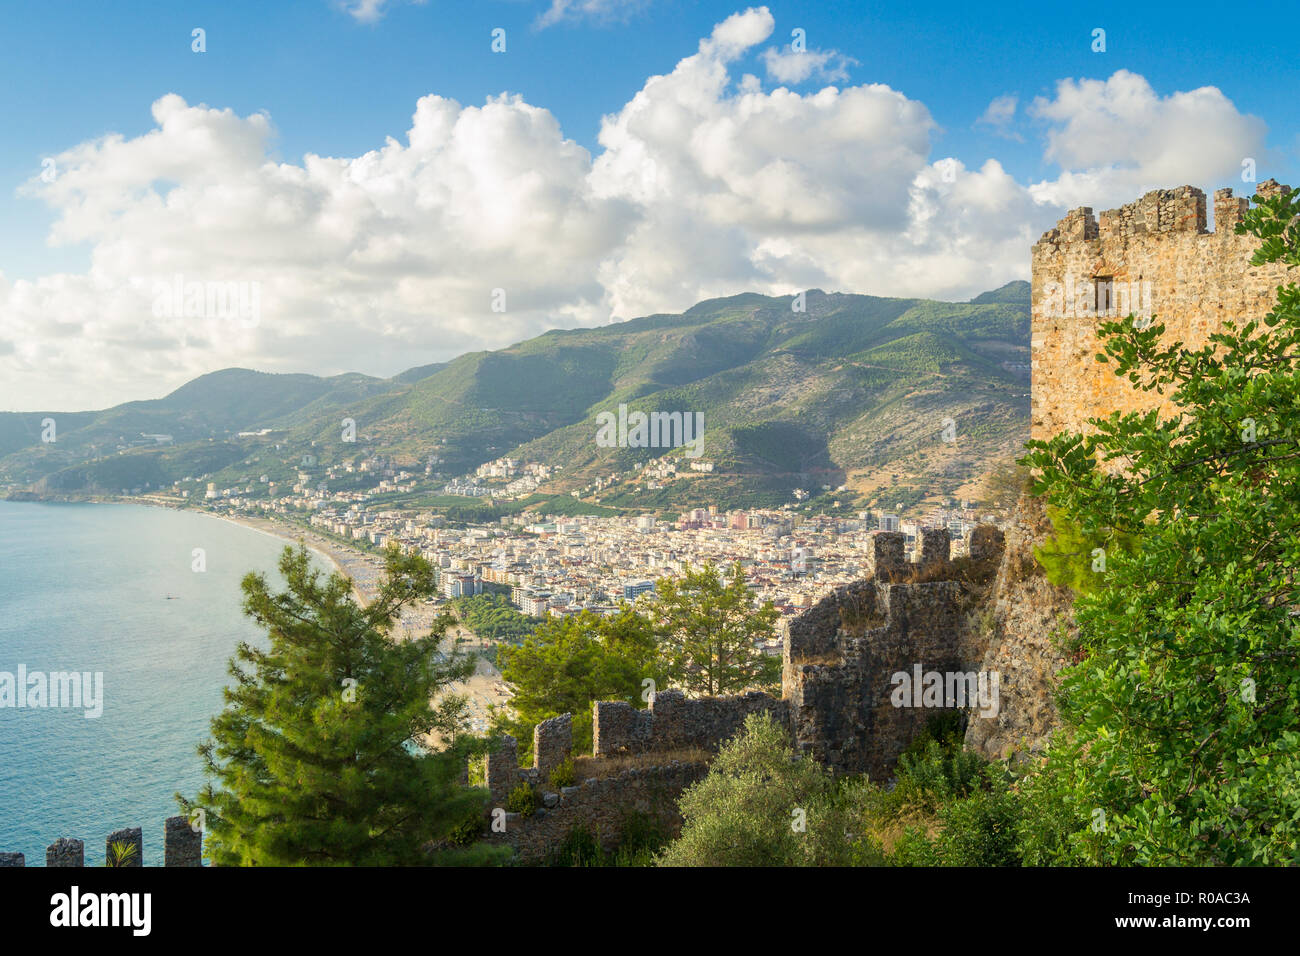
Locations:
{"points": [[484, 688], [345, 561]]}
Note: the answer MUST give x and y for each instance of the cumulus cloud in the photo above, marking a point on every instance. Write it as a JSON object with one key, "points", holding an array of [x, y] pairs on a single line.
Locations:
{"points": [[999, 115], [378, 261], [1117, 138], [705, 184], [797, 66]]}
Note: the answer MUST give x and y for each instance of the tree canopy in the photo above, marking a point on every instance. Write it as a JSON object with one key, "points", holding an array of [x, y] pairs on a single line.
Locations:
{"points": [[322, 755], [572, 661], [708, 629]]}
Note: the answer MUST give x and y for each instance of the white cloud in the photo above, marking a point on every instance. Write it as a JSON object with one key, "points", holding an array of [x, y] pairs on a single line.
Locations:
{"points": [[1117, 138], [706, 184], [601, 11], [370, 11], [790, 66], [999, 115], [376, 262]]}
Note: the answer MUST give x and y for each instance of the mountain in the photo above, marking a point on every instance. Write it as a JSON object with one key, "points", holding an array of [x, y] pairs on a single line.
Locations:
{"points": [[1013, 293], [896, 398]]}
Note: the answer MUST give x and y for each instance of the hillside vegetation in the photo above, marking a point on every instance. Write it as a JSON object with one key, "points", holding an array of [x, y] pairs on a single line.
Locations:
{"points": [[854, 390]]}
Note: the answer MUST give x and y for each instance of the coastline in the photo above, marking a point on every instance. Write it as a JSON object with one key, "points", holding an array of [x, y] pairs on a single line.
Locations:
{"points": [[361, 568], [484, 688]]}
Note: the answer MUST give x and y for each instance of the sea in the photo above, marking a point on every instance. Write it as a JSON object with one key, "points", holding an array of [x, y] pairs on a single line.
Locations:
{"points": [[149, 598]]}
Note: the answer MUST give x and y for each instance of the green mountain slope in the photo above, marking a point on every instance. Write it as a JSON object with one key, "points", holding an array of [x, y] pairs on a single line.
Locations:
{"points": [[853, 389]]}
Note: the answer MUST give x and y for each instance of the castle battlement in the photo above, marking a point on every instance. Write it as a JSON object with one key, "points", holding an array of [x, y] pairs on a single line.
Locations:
{"points": [[182, 846], [840, 660], [1153, 258]]}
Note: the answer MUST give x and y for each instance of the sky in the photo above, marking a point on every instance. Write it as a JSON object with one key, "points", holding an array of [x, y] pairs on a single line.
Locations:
{"points": [[327, 186]]}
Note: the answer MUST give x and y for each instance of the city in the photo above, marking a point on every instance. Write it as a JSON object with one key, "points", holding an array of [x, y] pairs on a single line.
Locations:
{"points": [[555, 565]]}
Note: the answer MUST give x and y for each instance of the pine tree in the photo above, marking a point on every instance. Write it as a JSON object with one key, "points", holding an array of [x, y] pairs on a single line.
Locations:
{"points": [[317, 758], [708, 630]]}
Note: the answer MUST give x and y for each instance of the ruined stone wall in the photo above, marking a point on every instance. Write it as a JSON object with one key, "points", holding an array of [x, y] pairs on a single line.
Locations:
{"points": [[1156, 259], [182, 846], [842, 655], [600, 805], [1160, 259], [674, 721], [840, 658]]}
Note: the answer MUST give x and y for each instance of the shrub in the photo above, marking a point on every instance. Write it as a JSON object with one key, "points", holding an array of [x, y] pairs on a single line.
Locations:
{"points": [[760, 805], [935, 768], [522, 800], [563, 775], [981, 830]]}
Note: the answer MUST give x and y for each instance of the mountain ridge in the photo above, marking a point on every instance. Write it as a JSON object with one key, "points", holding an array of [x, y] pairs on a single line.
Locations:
{"points": [[851, 384]]}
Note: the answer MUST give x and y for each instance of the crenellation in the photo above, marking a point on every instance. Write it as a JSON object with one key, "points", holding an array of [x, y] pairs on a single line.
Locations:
{"points": [[886, 560], [618, 727], [841, 705], [552, 744], [934, 548], [1271, 188], [182, 846], [1152, 259], [1078, 224], [1228, 211], [131, 837], [840, 660], [182, 843], [674, 721], [987, 542], [66, 852], [501, 768]]}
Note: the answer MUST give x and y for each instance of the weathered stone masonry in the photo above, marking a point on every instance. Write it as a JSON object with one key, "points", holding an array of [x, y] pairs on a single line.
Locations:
{"points": [[840, 657], [1154, 252], [1155, 258], [182, 846]]}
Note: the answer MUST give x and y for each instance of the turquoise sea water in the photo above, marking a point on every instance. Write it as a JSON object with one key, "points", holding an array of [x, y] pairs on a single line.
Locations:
{"points": [[84, 587]]}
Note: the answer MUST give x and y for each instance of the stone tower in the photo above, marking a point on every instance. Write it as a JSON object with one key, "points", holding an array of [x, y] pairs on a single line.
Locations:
{"points": [[1152, 257]]}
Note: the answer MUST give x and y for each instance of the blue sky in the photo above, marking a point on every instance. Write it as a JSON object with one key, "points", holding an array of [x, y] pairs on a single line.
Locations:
{"points": [[336, 82]]}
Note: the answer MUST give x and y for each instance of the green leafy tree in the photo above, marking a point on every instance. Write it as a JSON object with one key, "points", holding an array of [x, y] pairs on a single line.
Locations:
{"points": [[1182, 743], [316, 759], [570, 662], [491, 617], [760, 805], [709, 628]]}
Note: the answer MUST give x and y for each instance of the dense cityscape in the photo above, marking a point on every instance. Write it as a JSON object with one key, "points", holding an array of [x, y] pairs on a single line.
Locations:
{"points": [[557, 564]]}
